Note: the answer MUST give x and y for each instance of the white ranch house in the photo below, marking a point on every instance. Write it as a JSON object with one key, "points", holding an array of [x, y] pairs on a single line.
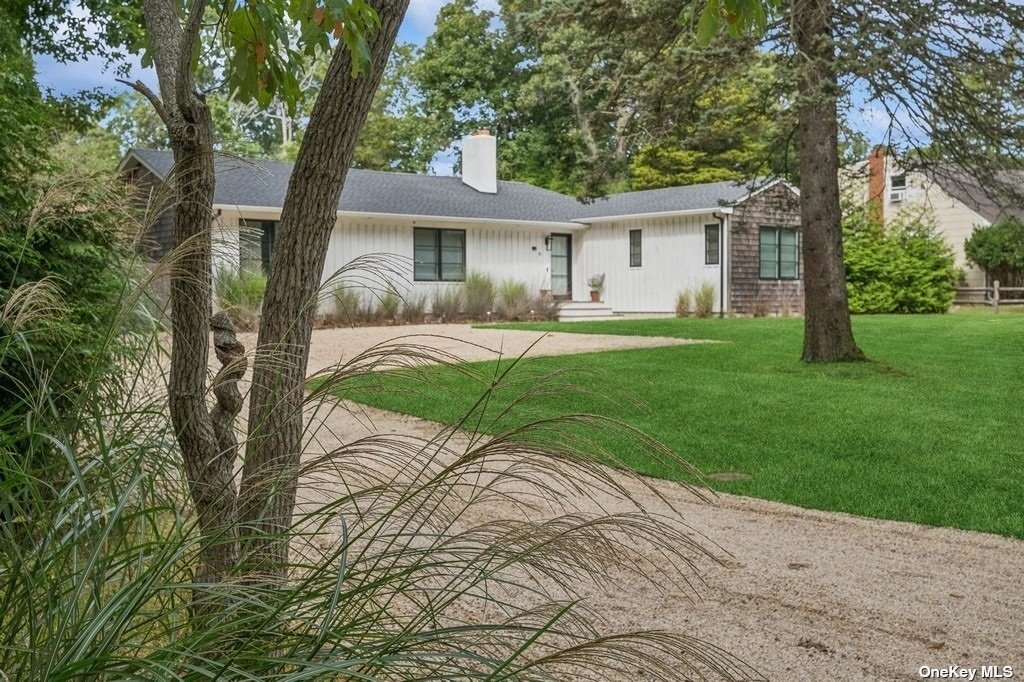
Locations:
{"points": [[650, 245]]}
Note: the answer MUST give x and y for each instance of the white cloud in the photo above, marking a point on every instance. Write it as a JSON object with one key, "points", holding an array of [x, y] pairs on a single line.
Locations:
{"points": [[422, 15]]}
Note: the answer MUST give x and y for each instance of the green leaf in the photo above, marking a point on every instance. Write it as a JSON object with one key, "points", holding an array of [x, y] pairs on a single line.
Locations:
{"points": [[707, 24]]}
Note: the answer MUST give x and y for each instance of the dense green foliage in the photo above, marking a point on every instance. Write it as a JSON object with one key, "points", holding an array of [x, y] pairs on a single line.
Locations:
{"points": [[62, 238], [75, 240], [903, 267], [582, 102], [25, 121], [735, 128], [399, 134], [999, 250], [922, 434]]}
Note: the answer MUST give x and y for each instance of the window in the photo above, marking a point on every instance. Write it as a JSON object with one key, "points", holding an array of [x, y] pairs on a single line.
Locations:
{"points": [[439, 255], [712, 244], [635, 248], [898, 191], [256, 244], [780, 253]]}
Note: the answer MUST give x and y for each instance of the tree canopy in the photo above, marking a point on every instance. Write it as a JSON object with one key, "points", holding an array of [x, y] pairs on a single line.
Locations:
{"points": [[999, 249]]}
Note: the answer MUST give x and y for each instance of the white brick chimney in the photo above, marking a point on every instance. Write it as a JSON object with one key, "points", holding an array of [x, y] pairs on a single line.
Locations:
{"points": [[480, 161]]}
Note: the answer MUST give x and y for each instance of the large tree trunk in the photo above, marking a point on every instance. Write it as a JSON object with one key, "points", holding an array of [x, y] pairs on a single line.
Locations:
{"points": [[828, 335], [205, 438], [274, 443]]}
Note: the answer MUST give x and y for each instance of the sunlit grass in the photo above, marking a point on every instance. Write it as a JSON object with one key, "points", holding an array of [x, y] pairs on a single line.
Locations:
{"points": [[929, 431]]}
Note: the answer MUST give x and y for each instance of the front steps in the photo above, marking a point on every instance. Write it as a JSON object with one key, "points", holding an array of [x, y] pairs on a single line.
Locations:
{"points": [[585, 311]]}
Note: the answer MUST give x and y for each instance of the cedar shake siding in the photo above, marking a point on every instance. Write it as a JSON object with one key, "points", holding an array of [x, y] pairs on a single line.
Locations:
{"points": [[779, 207], [158, 238]]}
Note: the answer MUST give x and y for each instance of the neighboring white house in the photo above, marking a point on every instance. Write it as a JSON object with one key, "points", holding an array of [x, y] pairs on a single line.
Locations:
{"points": [[741, 239], [956, 201]]}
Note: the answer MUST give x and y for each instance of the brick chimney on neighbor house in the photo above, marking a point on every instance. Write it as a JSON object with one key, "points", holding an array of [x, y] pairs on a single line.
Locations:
{"points": [[480, 161], [876, 183]]}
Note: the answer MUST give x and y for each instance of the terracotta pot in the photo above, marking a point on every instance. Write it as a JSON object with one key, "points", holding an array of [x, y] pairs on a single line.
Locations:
{"points": [[595, 296]]}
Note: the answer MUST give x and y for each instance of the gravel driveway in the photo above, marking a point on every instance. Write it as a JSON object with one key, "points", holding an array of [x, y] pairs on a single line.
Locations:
{"points": [[806, 595]]}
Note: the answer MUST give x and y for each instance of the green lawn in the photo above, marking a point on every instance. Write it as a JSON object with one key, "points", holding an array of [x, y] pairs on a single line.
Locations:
{"points": [[930, 431]]}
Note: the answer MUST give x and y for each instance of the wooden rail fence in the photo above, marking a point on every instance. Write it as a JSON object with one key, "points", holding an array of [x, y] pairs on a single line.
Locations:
{"points": [[994, 295]]}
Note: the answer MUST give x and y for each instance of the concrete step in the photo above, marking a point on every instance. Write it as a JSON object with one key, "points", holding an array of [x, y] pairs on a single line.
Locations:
{"points": [[585, 310]]}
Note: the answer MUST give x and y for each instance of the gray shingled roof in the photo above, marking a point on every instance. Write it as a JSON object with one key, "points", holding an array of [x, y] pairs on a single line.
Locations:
{"points": [[997, 196], [264, 183], [710, 196]]}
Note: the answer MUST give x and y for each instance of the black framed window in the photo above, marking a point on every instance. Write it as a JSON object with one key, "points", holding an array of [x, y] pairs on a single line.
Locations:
{"points": [[712, 244], [635, 248], [780, 253], [439, 255], [256, 244]]}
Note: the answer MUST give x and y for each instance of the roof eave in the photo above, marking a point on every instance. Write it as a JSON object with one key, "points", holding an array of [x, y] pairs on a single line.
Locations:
{"points": [[130, 155], [539, 224], [659, 214]]}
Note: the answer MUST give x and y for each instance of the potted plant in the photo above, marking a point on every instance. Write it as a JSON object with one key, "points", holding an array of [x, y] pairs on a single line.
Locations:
{"points": [[596, 284]]}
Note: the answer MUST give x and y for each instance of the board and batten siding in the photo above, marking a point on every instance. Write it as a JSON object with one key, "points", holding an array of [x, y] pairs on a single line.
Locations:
{"points": [[776, 206], [672, 260], [515, 252]]}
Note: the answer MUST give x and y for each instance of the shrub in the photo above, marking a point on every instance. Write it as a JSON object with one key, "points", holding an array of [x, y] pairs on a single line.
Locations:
{"points": [[901, 268], [370, 312], [544, 308], [447, 303], [71, 253], [414, 309], [683, 303], [479, 295], [704, 299], [999, 250], [513, 300], [348, 305], [240, 295], [389, 306]]}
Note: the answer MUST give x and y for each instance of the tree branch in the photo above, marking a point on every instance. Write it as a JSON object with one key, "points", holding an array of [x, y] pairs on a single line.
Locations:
{"points": [[144, 90], [188, 39]]}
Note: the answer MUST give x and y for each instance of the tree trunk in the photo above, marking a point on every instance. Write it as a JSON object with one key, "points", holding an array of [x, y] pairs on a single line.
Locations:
{"points": [[828, 335], [274, 443], [210, 471], [200, 433]]}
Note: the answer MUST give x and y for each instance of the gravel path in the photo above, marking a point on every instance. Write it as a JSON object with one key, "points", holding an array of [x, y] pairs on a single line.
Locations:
{"points": [[333, 345], [805, 595]]}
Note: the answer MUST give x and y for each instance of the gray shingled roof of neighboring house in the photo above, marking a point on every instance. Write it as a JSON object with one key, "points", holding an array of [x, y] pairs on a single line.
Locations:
{"points": [[242, 182], [998, 197]]}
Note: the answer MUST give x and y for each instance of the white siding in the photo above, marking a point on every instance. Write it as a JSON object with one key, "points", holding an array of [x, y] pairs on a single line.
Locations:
{"points": [[513, 252], [225, 243], [672, 261], [953, 219]]}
